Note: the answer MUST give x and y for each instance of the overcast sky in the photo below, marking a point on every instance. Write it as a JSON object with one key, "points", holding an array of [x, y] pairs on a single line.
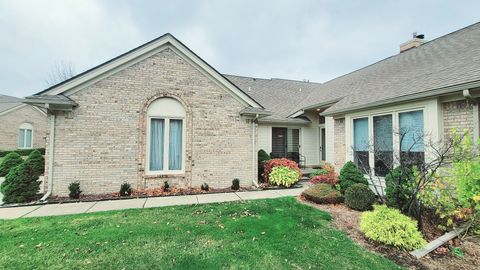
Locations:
{"points": [[315, 40]]}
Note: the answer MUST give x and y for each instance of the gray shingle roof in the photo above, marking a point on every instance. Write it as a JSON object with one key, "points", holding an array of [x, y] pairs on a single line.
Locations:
{"points": [[8, 102], [446, 61], [279, 96]]}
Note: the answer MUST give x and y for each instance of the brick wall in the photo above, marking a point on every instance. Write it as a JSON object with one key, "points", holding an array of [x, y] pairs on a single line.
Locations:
{"points": [[339, 132], [10, 123], [457, 115], [101, 143]]}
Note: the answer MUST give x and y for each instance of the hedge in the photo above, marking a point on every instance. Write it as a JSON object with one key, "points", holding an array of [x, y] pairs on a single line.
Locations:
{"points": [[22, 152]]}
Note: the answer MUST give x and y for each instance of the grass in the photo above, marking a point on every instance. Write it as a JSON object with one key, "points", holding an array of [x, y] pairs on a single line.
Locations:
{"points": [[263, 234]]}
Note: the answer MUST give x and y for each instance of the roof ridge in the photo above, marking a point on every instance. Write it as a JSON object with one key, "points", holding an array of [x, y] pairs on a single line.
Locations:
{"points": [[271, 79]]}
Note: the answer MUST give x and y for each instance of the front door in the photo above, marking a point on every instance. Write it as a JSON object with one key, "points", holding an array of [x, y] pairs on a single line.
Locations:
{"points": [[279, 142]]}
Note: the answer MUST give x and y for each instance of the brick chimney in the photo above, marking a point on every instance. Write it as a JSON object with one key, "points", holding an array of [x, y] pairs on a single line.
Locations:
{"points": [[416, 41]]}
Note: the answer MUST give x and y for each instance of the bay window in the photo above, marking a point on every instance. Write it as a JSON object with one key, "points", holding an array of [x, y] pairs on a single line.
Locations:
{"points": [[165, 137], [378, 139]]}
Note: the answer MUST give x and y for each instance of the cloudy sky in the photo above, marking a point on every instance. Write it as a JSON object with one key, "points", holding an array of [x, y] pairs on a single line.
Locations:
{"points": [[298, 39]]}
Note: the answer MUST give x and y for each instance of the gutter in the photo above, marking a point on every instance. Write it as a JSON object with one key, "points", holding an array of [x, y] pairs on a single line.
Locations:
{"points": [[51, 154], [254, 153], [425, 94]]}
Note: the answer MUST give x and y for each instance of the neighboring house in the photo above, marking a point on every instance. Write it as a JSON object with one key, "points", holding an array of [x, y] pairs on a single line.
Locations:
{"points": [[159, 112], [22, 126]]}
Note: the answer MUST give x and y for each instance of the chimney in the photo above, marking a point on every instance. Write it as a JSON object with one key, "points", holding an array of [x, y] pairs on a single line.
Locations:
{"points": [[416, 41]]}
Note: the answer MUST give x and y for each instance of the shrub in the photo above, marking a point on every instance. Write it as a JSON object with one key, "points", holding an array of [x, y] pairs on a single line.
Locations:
{"points": [[125, 190], [323, 194], [350, 175], [399, 187], [359, 197], [329, 178], [74, 189], [236, 184], [205, 187], [166, 186], [37, 162], [318, 172], [262, 158], [389, 226], [22, 152], [277, 162], [20, 185], [11, 160], [284, 176]]}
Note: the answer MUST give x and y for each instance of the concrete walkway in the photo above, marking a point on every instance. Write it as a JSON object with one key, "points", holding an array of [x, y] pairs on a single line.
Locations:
{"points": [[90, 207]]}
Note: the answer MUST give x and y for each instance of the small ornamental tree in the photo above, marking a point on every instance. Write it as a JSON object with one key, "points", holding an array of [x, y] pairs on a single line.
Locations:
{"points": [[37, 162], [21, 184], [11, 160], [350, 175]]}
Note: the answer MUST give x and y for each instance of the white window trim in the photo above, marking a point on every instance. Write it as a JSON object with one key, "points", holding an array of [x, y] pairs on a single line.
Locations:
{"points": [[395, 126], [166, 140], [25, 126]]}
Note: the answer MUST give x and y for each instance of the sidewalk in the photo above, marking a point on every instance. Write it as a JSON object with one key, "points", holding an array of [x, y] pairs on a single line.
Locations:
{"points": [[90, 207]]}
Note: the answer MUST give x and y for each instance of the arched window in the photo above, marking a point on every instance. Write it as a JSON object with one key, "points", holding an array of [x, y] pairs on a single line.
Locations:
{"points": [[166, 137], [25, 136]]}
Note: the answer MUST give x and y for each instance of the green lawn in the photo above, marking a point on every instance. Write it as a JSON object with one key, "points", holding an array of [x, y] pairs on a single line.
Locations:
{"points": [[263, 234]]}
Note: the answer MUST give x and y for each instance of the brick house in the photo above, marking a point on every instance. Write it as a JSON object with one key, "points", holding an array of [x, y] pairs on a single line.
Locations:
{"points": [[22, 126], [159, 112]]}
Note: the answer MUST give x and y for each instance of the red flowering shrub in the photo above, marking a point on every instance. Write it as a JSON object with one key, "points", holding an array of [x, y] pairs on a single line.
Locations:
{"points": [[329, 178], [269, 165]]}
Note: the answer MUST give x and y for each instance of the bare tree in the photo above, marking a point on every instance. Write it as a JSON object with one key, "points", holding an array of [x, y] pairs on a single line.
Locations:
{"points": [[60, 72], [408, 159]]}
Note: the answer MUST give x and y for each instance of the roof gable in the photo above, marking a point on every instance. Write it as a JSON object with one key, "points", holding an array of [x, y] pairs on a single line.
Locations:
{"points": [[140, 53]]}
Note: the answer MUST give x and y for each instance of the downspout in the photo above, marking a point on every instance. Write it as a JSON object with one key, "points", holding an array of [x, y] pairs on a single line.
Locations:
{"points": [[51, 149], [254, 153], [475, 118]]}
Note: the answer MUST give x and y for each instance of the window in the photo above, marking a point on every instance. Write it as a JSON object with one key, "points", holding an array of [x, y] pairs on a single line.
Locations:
{"points": [[361, 144], [383, 144], [411, 138], [165, 136], [403, 138], [25, 136]]}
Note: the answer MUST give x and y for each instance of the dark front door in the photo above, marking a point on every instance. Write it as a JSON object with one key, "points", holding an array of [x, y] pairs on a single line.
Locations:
{"points": [[279, 142]]}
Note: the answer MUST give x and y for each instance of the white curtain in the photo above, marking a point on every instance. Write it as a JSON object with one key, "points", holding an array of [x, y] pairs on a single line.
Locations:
{"points": [[21, 138], [156, 144], [175, 145]]}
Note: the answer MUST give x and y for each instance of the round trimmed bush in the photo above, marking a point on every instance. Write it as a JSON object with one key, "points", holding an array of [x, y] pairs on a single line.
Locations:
{"points": [[323, 194], [284, 176], [389, 226], [359, 197], [11, 160], [350, 175]]}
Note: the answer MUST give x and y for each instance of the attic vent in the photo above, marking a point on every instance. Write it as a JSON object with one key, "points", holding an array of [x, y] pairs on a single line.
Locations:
{"points": [[249, 89], [306, 80]]}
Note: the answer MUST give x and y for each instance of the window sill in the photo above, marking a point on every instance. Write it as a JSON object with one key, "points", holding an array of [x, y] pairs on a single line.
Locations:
{"points": [[165, 175]]}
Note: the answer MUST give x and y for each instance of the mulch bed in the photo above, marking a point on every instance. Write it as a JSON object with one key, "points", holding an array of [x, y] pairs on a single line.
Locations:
{"points": [[348, 220], [154, 192]]}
